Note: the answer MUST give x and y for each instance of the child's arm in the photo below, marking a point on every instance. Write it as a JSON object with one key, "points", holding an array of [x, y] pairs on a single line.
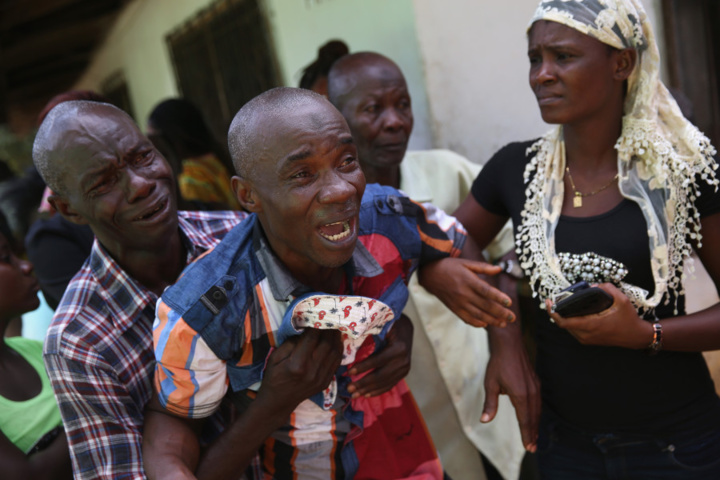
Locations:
{"points": [[51, 463]]}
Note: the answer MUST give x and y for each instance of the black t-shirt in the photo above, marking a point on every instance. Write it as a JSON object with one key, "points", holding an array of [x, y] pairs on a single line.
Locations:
{"points": [[606, 388]]}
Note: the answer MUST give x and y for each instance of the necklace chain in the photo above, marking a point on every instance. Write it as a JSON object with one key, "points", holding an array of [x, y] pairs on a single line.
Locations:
{"points": [[578, 195]]}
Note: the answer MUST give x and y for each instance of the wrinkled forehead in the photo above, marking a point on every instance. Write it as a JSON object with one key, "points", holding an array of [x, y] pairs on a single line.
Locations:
{"points": [[613, 22], [297, 132], [101, 125], [317, 117], [375, 76], [91, 139]]}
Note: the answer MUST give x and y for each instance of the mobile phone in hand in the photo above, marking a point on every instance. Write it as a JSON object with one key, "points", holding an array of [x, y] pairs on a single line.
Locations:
{"points": [[581, 299]]}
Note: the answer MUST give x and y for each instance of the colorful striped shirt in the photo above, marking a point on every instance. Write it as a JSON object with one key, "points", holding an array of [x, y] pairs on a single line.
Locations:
{"points": [[99, 355], [216, 326]]}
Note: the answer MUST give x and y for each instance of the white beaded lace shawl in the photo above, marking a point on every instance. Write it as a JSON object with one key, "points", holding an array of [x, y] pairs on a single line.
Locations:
{"points": [[661, 156]]}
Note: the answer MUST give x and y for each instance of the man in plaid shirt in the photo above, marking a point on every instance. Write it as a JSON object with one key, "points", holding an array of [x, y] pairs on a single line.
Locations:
{"points": [[99, 352]]}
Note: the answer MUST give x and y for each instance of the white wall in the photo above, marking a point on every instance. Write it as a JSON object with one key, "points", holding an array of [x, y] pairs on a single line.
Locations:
{"points": [[465, 60], [136, 45], [475, 60], [299, 27]]}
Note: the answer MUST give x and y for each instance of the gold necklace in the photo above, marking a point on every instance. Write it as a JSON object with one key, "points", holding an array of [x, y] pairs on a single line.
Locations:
{"points": [[578, 196]]}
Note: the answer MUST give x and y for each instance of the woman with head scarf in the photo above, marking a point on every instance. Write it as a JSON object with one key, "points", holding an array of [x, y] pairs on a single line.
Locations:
{"points": [[618, 195]]}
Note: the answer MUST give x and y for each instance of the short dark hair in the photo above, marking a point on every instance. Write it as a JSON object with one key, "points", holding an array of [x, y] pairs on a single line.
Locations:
{"points": [[327, 55], [342, 77], [276, 102]]}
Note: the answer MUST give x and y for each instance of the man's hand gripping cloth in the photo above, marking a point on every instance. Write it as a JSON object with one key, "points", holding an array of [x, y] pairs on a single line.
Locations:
{"points": [[355, 316]]}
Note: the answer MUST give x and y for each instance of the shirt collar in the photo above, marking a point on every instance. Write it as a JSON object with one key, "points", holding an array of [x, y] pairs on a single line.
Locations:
{"points": [[196, 240], [415, 182], [124, 296], [284, 285]]}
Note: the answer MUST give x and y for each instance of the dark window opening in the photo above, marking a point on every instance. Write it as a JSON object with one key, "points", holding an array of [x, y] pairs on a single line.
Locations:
{"points": [[222, 59], [692, 32]]}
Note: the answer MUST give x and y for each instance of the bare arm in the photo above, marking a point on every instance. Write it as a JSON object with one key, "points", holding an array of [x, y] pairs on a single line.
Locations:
{"points": [[52, 463], [170, 444], [510, 372], [700, 330], [456, 281], [509, 369], [480, 224]]}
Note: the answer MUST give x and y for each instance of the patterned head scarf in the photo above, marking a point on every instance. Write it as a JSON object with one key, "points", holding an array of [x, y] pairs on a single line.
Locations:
{"points": [[661, 159]]}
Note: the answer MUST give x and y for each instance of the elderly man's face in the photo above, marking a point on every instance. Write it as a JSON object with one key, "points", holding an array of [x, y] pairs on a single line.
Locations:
{"points": [[308, 185], [117, 182], [379, 114]]}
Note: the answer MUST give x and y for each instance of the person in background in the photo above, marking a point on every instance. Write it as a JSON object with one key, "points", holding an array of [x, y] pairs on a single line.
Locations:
{"points": [[449, 356], [314, 76], [32, 440], [618, 195], [205, 165], [7, 182], [20, 197]]}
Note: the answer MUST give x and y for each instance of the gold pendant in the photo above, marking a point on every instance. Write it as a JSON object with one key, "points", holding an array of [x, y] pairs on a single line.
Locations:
{"points": [[577, 201]]}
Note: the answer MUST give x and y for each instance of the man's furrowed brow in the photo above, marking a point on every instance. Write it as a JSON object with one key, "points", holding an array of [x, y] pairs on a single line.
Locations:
{"points": [[297, 156], [90, 177], [307, 152]]}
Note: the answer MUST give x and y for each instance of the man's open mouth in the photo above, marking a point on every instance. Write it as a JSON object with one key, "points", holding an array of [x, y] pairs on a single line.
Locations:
{"points": [[151, 213], [336, 231]]}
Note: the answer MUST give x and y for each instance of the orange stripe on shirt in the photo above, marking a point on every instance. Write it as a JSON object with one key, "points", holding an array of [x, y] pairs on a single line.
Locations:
{"points": [[438, 244], [269, 461], [333, 429], [266, 318], [293, 442], [162, 315], [175, 357], [425, 214], [247, 355]]}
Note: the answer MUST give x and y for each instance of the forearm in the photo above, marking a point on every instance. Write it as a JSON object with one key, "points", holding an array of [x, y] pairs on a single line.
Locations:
{"points": [[507, 340], [235, 448], [511, 372], [173, 453], [472, 251], [52, 463], [696, 332]]}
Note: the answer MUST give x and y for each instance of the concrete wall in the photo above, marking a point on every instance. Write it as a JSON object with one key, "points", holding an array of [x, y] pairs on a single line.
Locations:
{"points": [[476, 67], [136, 46], [465, 60], [299, 27]]}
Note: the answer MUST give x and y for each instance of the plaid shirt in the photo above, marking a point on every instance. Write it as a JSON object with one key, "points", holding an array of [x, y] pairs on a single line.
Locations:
{"points": [[99, 354]]}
